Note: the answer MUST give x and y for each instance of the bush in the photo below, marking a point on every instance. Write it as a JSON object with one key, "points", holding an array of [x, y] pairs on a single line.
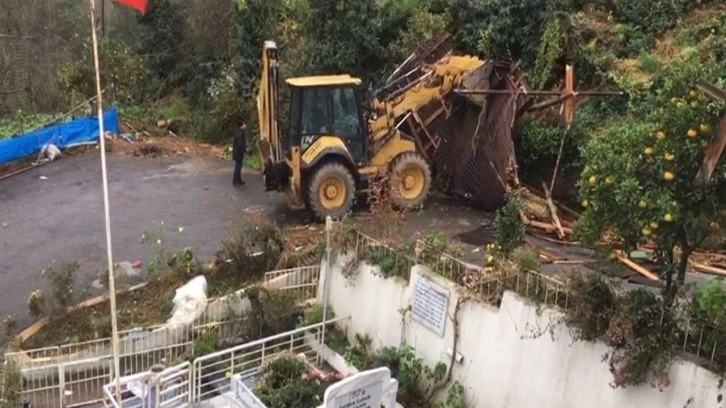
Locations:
{"points": [[216, 116], [510, 229], [287, 381], [592, 305], [122, 71], [10, 326], [642, 330], [254, 250], [271, 311], [185, 264], [526, 258], [36, 303], [61, 283]]}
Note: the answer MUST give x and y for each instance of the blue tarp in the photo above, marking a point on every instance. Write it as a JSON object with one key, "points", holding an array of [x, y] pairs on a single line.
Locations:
{"points": [[62, 135]]}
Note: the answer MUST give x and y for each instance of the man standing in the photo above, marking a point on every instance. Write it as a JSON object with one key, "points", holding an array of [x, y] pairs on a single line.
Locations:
{"points": [[238, 152]]}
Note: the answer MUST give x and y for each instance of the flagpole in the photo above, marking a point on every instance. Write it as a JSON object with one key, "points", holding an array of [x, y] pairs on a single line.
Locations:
{"points": [[107, 211]]}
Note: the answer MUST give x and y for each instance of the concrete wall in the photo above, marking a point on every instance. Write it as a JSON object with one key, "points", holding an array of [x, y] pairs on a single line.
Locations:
{"points": [[510, 359]]}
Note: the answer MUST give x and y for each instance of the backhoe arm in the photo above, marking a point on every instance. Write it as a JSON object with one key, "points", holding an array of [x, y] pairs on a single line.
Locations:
{"points": [[269, 146]]}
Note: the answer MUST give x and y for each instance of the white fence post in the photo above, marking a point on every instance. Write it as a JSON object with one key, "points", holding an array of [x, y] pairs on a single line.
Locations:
{"points": [[61, 384]]}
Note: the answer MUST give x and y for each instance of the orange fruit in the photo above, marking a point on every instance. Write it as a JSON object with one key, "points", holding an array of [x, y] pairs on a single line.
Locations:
{"points": [[692, 133], [668, 176], [648, 151]]}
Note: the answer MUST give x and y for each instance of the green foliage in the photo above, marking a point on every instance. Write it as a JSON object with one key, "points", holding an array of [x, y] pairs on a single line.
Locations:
{"points": [[122, 71], [652, 17], [221, 108], [525, 257], [255, 249], [423, 27], [343, 37], [510, 229], [287, 382], [592, 305], [710, 302], [185, 264], [36, 303], [455, 397], [61, 282], [501, 29], [389, 261], [21, 122], [415, 378], [205, 344], [156, 237], [164, 30], [639, 178], [177, 111], [11, 379], [10, 326], [270, 311], [642, 331]]}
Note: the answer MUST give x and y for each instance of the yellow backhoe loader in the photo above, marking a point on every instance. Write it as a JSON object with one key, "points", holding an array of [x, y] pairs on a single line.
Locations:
{"points": [[332, 147]]}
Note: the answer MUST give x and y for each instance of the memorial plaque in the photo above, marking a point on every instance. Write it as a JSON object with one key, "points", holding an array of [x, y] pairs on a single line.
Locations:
{"points": [[429, 305]]}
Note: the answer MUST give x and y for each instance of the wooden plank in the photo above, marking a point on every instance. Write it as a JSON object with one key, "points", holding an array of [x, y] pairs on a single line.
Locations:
{"points": [[709, 269], [637, 268], [553, 212]]}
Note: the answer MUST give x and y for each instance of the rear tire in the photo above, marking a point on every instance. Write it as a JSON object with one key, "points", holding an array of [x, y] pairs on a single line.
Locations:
{"points": [[331, 191], [410, 181]]}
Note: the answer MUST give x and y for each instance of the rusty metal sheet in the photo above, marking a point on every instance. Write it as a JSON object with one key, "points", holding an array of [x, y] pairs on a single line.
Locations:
{"points": [[475, 158]]}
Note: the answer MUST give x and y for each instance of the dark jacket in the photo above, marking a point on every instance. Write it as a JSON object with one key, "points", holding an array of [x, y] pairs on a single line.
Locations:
{"points": [[239, 145]]}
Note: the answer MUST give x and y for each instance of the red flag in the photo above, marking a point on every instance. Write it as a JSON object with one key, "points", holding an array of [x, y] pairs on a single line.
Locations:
{"points": [[135, 4]]}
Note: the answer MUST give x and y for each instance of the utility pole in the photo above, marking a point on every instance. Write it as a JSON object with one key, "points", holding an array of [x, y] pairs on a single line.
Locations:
{"points": [[106, 208]]}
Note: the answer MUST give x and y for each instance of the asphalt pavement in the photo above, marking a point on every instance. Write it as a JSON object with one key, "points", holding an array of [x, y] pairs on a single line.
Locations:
{"points": [[54, 214]]}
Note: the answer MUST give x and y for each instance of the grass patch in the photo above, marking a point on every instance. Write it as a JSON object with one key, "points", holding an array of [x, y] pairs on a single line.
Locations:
{"points": [[21, 123]]}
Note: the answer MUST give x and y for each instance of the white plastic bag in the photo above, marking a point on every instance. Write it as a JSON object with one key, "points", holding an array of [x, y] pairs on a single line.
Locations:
{"points": [[189, 303]]}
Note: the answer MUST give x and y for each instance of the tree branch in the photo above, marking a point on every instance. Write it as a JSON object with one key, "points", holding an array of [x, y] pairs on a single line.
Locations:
{"points": [[445, 382]]}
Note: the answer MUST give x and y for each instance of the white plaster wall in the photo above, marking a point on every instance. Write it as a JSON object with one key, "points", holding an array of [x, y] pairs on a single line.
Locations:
{"points": [[506, 363]]}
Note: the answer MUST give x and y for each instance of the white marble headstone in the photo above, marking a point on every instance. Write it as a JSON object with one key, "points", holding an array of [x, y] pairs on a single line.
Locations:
{"points": [[362, 390]]}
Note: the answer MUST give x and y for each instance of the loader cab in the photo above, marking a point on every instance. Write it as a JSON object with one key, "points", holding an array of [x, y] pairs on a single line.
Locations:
{"points": [[327, 106]]}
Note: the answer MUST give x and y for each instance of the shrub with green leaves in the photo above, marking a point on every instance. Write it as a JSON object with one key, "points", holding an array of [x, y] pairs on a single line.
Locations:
{"points": [[510, 228]]}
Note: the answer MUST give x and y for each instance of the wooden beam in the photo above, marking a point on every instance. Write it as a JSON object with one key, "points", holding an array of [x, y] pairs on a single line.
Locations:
{"points": [[570, 93], [637, 268]]}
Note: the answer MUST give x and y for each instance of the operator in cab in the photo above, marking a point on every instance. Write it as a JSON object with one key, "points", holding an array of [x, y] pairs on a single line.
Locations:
{"points": [[239, 148]]}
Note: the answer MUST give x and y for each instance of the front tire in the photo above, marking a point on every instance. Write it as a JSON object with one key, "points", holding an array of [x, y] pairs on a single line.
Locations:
{"points": [[331, 191], [410, 181]]}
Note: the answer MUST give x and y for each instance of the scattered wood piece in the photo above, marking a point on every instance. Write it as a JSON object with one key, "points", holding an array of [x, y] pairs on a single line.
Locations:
{"points": [[553, 212], [547, 227], [637, 268], [575, 262], [709, 269]]}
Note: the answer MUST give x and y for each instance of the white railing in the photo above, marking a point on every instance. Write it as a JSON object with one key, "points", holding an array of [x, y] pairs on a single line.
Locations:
{"points": [[242, 393], [75, 373], [213, 372], [163, 388], [302, 281]]}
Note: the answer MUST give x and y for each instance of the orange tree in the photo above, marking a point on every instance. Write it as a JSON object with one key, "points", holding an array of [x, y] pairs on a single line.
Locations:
{"points": [[639, 182]]}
